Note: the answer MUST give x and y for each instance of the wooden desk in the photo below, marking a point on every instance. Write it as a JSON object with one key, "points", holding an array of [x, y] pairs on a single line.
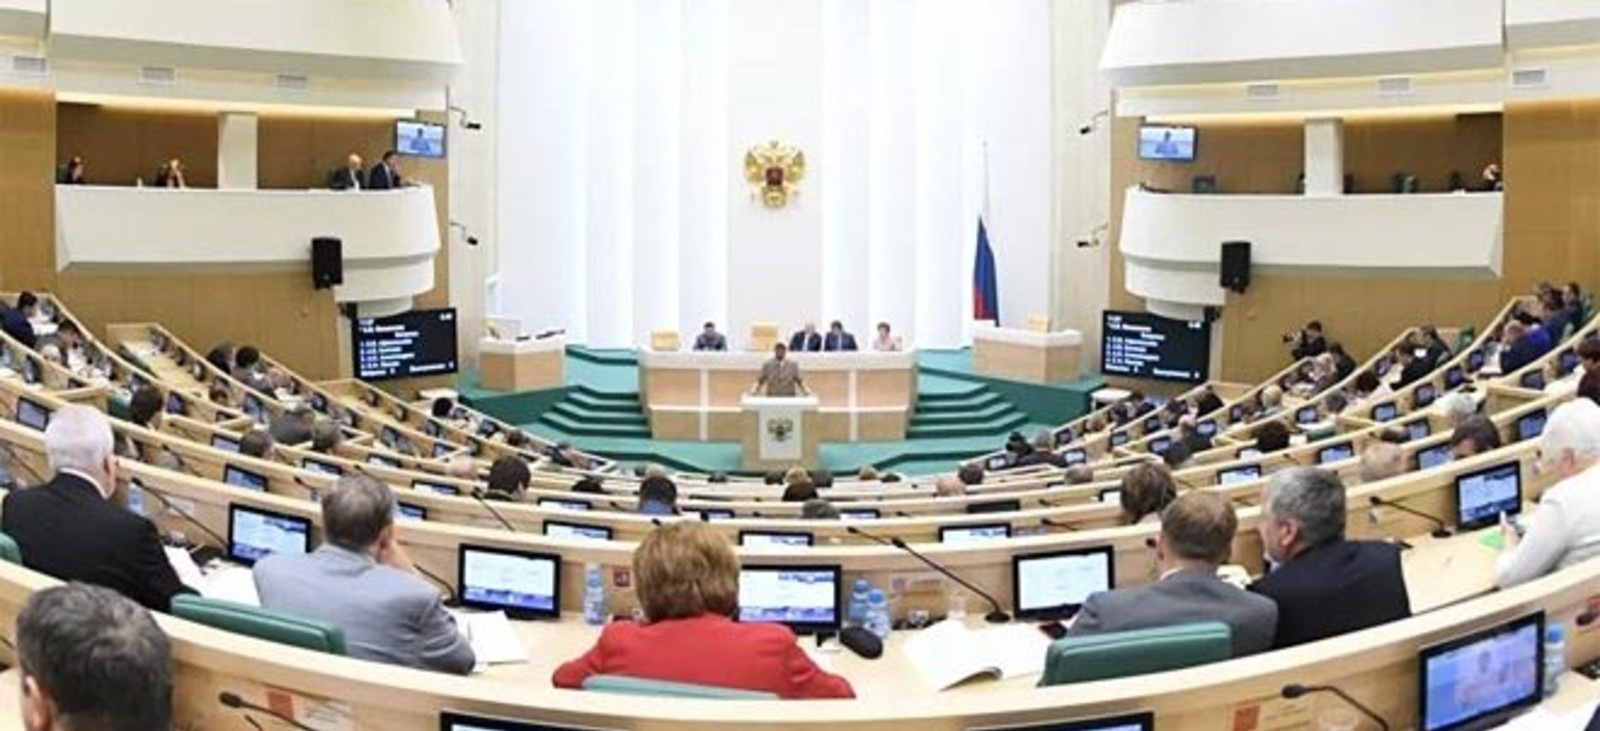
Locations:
{"points": [[1442, 571], [522, 365], [1024, 355], [11, 700]]}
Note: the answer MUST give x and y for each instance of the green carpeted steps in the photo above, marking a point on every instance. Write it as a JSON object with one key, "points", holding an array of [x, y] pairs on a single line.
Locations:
{"points": [[967, 410], [587, 412]]}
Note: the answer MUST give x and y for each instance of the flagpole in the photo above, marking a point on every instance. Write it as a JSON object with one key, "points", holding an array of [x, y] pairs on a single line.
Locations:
{"points": [[985, 212]]}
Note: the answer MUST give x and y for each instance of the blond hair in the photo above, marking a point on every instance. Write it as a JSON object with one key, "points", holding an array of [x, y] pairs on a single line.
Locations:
{"points": [[685, 569]]}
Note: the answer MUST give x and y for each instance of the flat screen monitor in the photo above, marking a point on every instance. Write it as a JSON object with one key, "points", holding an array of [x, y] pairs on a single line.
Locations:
{"points": [[1385, 412], [1247, 453], [1483, 495], [1145, 721], [1336, 453], [226, 444], [524, 584], [559, 504], [253, 533], [1424, 396], [319, 403], [711, 514], [409, 512], [1417, 430], [1475, 361], [382, 461], [1306, 415], [30, 370], [434, 487], [1152, 424], [30, 414], [317, 465], [995, 506], [1533, 379], [175, 403], [806, 598], [452, 721], [1207, 428], [1054, 585], [858, 514], [241, 477], [1531, 425], [997, 462], [1074, 456], [432, 428], [1433, 456], [388, 435], [1111, 495], [560, 529], [1454, 376], [1142, 345], [1159, 445], [418, 139], [1482, 678], [1236, 413], [973, 533], [1239, 474], [1567, 362], [1119, 438], [1383, 365], [407, 345], [442, 449], [774, 539], [1166, 143]]}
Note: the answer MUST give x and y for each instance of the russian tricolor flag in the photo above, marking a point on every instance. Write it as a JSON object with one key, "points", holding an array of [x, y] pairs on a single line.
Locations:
{"points": [[985, 292]]}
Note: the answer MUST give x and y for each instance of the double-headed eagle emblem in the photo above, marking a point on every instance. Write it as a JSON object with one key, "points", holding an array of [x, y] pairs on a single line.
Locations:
{"points": [[774, 171], [780, 428]]}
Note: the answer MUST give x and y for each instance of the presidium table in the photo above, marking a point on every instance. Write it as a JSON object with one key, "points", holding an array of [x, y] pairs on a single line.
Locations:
{"points": [[700, 396]]}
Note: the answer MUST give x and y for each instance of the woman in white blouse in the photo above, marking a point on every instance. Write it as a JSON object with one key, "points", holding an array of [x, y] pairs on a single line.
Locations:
{"points": [[885, 340]]}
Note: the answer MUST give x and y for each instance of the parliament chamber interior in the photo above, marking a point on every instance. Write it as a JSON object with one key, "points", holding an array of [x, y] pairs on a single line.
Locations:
{"points": [[657, 365]]}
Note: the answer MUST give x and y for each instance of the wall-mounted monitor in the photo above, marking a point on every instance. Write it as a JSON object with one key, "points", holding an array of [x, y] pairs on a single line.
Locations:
{"points": [[407, 345], [418, 139], [1166, 143], [1142, 345]]}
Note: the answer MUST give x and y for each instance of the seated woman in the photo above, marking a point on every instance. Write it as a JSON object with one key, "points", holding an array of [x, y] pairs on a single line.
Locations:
{"points": [[1146, 490], [1565, 529], [687, 580]]}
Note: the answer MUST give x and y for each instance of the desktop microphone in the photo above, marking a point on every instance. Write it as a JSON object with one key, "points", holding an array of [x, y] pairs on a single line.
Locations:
{"points": [[477, 494], [655, 521], [1056, 524], [1443, 531], [1296, 690], [182, 465], [180, 512], [449, 591], [233, 701], [996, 616]]}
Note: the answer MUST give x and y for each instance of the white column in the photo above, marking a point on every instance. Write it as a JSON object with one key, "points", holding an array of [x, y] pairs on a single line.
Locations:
{"points": [[236, 150], [472, 172], [1080, 285], [1324, 157]]}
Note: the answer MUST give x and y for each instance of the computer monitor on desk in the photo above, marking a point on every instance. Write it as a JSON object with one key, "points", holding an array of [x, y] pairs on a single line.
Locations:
{"points": [[524, 584], [241, 477], [1483, 495], [560, 529], [32, 415], [1054, 585], [452, 721], [254, 533], [1244, 473], [805, 598], [774, 539], [1131, 722], [1483, 678], [1433, 456], [975, 532]]}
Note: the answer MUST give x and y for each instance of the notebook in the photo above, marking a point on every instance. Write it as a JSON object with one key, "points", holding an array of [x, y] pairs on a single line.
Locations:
{"points": [[950, 653]]}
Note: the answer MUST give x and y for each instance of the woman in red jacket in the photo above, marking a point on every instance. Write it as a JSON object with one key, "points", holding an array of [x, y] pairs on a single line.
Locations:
{"points": [[687, 580]]}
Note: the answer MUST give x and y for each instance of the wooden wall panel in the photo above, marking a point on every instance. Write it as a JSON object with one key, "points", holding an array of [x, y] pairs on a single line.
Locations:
{"points": [[1245, 158], [122, 144], [27, 192], [1429, 148]]}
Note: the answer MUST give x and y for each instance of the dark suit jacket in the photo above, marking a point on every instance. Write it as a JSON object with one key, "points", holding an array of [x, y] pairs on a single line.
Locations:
{"points": [[711, 342], [17, 326], [381, 179], [842, 341], [67, 530], [345, 179], [1522, 351], [1338, 587], [799, 342], [1185, 596], [1414, 371], [1208, 403]]}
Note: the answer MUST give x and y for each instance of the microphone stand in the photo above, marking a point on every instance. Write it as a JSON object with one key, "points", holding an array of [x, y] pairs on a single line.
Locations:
{"points": [[995, 616], [1442, 531]]}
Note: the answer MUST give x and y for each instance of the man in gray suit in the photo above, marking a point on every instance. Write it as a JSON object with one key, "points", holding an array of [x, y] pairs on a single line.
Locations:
{"points": [[780, 376], [361, 580], [1196, 537]]}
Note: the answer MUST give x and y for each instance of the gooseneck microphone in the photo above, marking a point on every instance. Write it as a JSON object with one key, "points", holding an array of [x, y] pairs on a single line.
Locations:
{"points": [[171, 507], [477, 494], [1443, 529], [995, 616], [233, 701], [1296, 690]]}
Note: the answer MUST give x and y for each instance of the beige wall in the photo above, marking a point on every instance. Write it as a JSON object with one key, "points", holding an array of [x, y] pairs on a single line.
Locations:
{"points": [[121, 144]]}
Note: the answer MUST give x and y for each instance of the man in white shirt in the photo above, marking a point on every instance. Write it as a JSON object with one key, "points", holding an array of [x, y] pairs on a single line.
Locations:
{"points": [[1566, 527]]}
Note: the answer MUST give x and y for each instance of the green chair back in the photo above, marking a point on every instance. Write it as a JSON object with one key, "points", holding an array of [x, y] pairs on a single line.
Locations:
{"points": [[309, 634], [1121, 654], [628, 685], [10, 552]]}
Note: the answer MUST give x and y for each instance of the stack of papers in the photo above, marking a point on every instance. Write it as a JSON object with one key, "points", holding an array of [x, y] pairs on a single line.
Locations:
{"points": [[226, 582], [949, 653], [494, 642]]}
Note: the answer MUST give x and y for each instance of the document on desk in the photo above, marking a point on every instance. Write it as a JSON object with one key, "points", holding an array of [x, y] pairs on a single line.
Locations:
{"points": [[950, 653], [494, 641], [230, 583], [1541, 719]]}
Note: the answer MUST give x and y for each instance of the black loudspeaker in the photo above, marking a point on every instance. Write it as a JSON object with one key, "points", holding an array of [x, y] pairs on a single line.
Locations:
{"points": [[1236, 265], [327, 262]]}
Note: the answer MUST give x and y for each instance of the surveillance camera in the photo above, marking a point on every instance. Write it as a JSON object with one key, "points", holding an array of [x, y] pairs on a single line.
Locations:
{"points": [[1086, 129], [472, 241], [473, 125], [1085, 243]]}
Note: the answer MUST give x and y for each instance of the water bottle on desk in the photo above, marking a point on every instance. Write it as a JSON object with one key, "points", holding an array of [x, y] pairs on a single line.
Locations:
{"points": [[859, 603], [1555, 658], [879, 614], [594, 595]]}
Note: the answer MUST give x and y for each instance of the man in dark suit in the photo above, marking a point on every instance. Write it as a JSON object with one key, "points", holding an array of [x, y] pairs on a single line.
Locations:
{"points": [[14, 320], [1324, 585], [710, 339], [1412, 368], [837, 339], [1196, 537], [386, 174], [69, 528], [1208, 402], [348, 177], [806, 340]]}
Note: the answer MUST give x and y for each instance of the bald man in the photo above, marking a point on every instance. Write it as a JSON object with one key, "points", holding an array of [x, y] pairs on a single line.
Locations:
{"points": [[348, 177]]}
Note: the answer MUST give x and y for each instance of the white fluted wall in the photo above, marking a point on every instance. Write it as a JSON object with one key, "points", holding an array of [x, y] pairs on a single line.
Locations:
{"points": [[622, 126]]}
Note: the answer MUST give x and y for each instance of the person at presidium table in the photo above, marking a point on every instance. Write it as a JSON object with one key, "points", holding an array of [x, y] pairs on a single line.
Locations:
{"points": [[780, 376]]}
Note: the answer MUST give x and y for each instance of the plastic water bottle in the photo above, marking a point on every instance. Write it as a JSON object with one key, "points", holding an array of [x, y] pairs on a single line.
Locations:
{"points": [[135, 499], [594, 595], [859, 600], [878, 613], [1555, 658]]}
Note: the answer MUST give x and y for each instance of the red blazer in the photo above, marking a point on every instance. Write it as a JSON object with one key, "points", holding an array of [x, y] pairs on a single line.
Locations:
{"points": [[708, 650]]}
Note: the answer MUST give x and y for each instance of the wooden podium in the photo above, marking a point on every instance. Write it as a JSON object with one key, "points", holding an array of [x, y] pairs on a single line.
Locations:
{"points": [[522, 365], [778, 432], [1026, 355]]}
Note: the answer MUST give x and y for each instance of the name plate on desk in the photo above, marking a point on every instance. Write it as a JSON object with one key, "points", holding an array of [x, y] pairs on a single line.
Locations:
{"points": [[780, 425]]}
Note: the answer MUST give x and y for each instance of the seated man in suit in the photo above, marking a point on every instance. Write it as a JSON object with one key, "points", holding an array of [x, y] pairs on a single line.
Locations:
{"points": [[362, 580], [386, 174], [348, 177], [1196, 537], [837, 338], [1208, 402], [1412, 368], [710, 339], [1324, 585], [806, 340], [1565, 529], [1523, 342], [15, 320], [70, 529], [91, 659]]}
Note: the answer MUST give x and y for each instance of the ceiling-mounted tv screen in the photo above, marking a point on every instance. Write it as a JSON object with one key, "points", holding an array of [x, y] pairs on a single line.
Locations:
{"points": [[418, 139]]}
